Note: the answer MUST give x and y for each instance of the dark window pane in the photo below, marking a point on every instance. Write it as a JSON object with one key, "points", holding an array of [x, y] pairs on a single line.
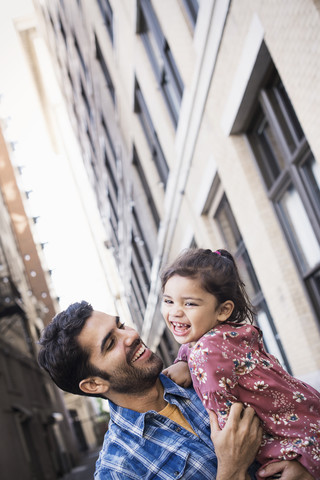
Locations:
{"points": [[248, 275], [151, 136], [313, 286], [161, 58], [146, 188], [104, 68], [299, 229], [270, 335], [192, 8], [286, 115], [311, 175], [266, 148], [228, 226], [107, 14]]}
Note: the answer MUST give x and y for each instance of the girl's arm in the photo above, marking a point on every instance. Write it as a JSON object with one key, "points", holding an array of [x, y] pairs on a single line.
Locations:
{"points": [[179, 373]]}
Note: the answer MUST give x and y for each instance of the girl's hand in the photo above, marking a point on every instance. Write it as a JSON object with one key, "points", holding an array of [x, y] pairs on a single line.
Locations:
{"points": [[179, 373], [288, 470]]}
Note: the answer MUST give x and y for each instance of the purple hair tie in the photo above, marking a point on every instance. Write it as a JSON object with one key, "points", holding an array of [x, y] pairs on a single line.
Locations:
{"points": [[217, 252]]}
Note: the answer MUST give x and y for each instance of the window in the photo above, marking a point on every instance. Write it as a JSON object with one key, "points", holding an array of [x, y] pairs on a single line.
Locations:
{"points": [[112, 182], [191, 8], [235, 244], [109, 138], [86, 102], [107, 14], [145, 186], [292, 178], [93, 148], [114, 221], [141, 262], [140, 240], [62, 30], [104, 68], [151, 135], [161, 58], [83, 64], [110, 163]]}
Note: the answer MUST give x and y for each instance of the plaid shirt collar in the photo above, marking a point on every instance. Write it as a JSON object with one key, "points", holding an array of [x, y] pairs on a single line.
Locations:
{"points": [[135, 421]]}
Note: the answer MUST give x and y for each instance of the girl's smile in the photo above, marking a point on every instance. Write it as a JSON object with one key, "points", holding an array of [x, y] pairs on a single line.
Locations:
{"points": [[180, 328]]}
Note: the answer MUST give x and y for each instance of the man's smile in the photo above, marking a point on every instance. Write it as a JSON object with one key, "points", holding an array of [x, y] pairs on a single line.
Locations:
{"points": [[138, 353]]}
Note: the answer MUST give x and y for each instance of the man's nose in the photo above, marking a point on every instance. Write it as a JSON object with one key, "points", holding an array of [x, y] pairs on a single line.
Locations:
{"points": [[129, 335]]}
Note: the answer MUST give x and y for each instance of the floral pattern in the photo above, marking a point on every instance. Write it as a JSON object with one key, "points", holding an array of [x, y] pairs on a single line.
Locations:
{"points": [[229, 364]]}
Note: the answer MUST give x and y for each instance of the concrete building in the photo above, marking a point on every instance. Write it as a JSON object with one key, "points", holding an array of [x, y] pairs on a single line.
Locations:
{"points": [[197, 122], [39, 440], [43, 430]]}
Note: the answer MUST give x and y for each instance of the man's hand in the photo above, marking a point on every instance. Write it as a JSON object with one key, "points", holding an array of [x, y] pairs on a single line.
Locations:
{"points": [[289, 470], [237, 444], [179, 373]]}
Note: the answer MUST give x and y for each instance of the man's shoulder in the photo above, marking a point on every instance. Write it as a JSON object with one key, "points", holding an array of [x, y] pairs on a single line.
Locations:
{"points": [[114, 455]]}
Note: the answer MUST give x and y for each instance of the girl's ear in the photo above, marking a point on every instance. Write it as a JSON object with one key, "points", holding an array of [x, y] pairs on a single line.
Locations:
{"points": [[225, 310], [94, 385]]}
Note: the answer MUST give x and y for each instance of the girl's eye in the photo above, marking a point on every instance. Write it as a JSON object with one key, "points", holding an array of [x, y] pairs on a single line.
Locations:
{"points": [[190, 304], [166, 300]]}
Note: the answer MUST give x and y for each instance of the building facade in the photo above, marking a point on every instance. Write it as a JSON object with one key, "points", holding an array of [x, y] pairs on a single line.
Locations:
{"points": [[43, 430], [39, 439], [197, 121]]}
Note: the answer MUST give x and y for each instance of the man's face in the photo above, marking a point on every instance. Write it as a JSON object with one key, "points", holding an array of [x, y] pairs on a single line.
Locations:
{"points": [[118, 351]]}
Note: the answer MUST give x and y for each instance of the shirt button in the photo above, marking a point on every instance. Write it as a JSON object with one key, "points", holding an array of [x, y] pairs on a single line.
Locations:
{"points": [[176, 474], [178, 429]]}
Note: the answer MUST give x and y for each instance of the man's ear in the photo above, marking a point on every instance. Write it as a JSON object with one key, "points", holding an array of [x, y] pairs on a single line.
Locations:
{"points": [[225, 310], [94, 385]]}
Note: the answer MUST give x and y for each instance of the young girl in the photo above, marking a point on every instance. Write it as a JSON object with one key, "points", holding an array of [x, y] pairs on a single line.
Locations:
{"points": [[207, 310]]}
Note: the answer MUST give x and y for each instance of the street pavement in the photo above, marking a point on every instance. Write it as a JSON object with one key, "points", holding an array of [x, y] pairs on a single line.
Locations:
{"points": [[85, 469]]}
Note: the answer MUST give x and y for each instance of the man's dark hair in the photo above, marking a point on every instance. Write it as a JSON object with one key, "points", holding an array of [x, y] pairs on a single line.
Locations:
{"points": [[61, 355]]}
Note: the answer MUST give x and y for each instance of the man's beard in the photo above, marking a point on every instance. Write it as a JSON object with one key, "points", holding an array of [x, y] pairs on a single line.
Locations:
{"points": [[133, 379]]}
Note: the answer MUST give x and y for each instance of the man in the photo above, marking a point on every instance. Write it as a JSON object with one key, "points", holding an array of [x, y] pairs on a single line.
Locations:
{"points": [[157, 430]]}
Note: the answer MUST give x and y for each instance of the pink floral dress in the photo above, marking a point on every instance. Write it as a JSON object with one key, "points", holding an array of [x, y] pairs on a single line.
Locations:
{"points": [[229, 364]]}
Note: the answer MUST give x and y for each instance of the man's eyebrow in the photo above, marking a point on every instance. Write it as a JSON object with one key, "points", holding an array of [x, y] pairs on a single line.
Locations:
{"points": [[106, 338]]}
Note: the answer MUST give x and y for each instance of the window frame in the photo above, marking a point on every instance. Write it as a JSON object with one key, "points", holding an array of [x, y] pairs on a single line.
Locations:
{"points": [[292, 144], [103, 65], [240, 252], [192, 9], [107, 13], [161, 58], [140, 107]]}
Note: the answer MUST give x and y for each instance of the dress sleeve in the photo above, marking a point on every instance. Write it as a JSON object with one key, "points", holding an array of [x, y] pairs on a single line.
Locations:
{"points": [[182, 353], [215, 364]]}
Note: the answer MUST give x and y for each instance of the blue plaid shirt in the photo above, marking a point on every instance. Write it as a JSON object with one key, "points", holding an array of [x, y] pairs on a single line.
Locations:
{"points": [[150, 446]]}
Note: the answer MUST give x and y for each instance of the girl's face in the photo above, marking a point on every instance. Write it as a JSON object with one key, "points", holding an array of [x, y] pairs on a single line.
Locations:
{"points": [[189, 310]]}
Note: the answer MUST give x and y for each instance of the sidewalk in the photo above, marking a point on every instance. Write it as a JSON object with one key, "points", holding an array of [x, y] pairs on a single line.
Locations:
{"points": [[85, 469]]}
